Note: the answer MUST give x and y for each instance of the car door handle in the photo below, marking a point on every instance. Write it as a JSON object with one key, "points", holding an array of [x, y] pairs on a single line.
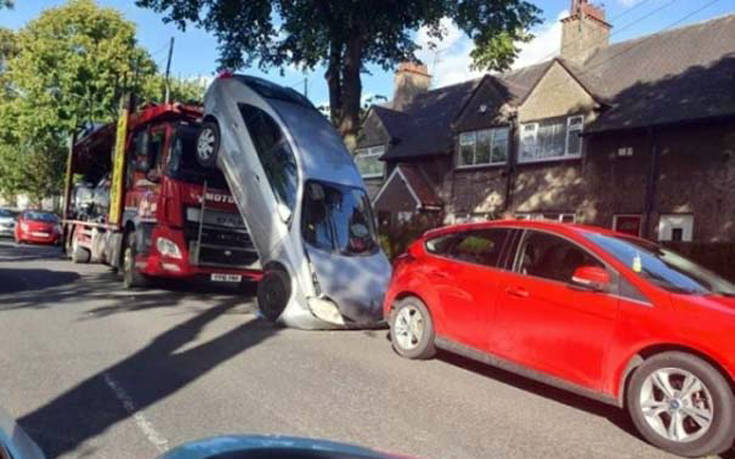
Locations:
{"points": [[439, 275], [517, 292]]}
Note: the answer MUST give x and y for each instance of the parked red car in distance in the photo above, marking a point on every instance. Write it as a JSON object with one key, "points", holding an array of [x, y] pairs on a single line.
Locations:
{"points": [[37, 227], [603, 314]]}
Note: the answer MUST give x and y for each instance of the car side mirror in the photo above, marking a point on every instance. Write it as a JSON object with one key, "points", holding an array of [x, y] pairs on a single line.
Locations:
{"points": [[591, 278]]}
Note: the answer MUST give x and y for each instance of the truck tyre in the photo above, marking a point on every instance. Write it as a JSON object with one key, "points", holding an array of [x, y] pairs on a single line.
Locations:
{"points": [[79, 254], [208, 144], [274, 291], [132, 278]]}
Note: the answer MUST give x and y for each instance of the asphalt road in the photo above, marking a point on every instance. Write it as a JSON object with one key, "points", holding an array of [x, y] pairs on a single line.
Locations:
{"points": [[90, 369]]}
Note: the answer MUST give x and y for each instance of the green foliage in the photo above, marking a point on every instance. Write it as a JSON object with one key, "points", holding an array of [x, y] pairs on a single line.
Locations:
{"points": [[153, 89], [345, 35]]}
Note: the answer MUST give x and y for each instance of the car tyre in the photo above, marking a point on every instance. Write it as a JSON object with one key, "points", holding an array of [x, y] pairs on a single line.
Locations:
{"points": [[273, 292], [79, 254], [132, 278], [208, 141], [674, 421], [412, 329]]}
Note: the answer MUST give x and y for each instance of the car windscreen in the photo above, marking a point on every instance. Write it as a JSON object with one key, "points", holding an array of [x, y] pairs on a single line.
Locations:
{"points": [[6, 213], [338, 218], [182, 164], [663, 266], [41, 217], [273, 91]]}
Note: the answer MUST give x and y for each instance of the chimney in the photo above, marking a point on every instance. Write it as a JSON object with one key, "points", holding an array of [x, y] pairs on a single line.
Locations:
{"points": [[411, 79], [583, 31]]}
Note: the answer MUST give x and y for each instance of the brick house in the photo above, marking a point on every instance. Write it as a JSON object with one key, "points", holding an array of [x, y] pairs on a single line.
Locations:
{"points": [[637, 136]]}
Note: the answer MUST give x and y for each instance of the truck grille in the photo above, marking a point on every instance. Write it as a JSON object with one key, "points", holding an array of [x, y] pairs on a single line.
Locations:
{"points": [[225, 246]]}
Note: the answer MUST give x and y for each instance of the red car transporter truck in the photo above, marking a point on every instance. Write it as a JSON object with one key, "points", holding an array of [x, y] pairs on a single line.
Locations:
{"points": [[145, 206]]}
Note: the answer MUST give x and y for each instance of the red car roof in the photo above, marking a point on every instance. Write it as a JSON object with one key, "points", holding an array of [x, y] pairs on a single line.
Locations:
{"points": [[532, 224]]}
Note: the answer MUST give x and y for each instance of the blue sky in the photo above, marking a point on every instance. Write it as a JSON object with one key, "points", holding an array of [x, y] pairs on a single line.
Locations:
{"points": [[195, 52]]}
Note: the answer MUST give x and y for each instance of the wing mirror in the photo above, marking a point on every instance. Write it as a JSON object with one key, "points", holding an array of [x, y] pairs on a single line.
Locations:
{"points": [[591, 278]]}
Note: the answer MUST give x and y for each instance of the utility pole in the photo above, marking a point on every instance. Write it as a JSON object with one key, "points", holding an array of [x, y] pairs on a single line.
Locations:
{"points": [[306, 87], [168, 70]]}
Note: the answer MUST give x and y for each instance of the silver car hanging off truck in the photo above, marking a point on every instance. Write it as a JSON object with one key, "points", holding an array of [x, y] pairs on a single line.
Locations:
{"points": [[303, 200]]}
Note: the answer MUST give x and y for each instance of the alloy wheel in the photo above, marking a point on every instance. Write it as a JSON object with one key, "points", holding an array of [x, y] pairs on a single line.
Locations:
{"points": [[676, 404], [205, 144], [409, 327]]}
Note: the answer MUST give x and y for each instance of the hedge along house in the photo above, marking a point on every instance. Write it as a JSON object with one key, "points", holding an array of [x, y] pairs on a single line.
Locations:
{"points": [[638, 136]]}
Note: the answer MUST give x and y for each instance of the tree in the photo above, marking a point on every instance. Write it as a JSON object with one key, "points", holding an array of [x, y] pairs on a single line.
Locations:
{"points": [[66, 68], [181, 89], [345, 35]]}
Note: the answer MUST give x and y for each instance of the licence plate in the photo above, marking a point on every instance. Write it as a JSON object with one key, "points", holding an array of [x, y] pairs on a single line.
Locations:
{"points": [[226, 277], [39, 234]]}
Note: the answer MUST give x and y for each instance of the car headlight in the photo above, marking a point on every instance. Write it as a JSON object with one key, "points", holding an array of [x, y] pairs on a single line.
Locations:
{"points": [[24, 226], [168, 248]]}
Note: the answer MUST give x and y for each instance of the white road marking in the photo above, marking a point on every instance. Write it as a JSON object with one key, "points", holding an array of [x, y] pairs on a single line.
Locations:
{"points": [[158, 440]]}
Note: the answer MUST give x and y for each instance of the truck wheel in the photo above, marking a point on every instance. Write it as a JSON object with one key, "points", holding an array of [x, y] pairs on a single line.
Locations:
{"points": [[274, 291], [208, 144], [132, 278], [79, 254]]}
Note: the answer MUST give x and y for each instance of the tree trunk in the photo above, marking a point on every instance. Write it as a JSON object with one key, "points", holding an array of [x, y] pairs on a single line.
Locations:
{"points": [[334, 82], [348, 121]]}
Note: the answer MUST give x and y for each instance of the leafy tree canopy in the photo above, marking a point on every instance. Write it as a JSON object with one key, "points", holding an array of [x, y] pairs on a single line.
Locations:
{"points": [[345, 35]]}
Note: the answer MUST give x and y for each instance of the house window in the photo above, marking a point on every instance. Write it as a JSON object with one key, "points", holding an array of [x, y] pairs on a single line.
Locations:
{"points": [[551, 139], [488, 146], [368, 161], [675, 227], [624, 152], [562, 217], [628, 224]]}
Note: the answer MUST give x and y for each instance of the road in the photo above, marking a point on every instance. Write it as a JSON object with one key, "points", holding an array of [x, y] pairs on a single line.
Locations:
{"points": [[90, 369]]}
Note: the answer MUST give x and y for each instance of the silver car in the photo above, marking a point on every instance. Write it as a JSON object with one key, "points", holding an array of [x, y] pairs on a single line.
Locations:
{"points": [[7, 222], [303, 201]]}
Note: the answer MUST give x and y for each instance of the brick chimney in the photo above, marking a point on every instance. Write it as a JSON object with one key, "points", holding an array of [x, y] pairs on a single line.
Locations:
{"points": [[583, 31], [411, 79]]}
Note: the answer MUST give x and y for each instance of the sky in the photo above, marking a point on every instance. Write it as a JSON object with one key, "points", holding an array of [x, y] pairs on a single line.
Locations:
{"points": [[195, 50]]}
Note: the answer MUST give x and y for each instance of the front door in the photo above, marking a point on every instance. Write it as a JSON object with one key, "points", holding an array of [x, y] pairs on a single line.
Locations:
{"points": [[465, 279], [543, 321]]}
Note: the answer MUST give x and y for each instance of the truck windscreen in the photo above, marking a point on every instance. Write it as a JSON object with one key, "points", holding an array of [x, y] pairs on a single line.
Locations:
{"points": [[182, 164]]}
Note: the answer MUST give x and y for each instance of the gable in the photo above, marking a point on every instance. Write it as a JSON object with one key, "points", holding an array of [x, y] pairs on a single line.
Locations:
{"points": [[486, 107], [396, 195], [372, 131], [557, 93]]}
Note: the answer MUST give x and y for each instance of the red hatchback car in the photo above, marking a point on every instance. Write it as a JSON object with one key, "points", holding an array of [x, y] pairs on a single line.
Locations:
{"points": [[37, 227], [603, 314]]}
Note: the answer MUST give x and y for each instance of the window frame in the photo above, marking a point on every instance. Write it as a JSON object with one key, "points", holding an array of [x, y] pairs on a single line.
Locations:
{"points": [[367, 152], [475, 135], [456, 236], [516, 259], [638, 216], [566, 122]]}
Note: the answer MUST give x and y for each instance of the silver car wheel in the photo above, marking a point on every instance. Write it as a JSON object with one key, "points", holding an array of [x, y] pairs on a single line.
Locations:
{"points": [[205, 144], [409, 327], [676, 405]]}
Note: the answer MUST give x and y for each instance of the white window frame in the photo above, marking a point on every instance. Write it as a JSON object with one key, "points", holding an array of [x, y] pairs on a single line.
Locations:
{"points": [[665, 226], [567, 123], [370, 152], [625, 152], [475, 135]]}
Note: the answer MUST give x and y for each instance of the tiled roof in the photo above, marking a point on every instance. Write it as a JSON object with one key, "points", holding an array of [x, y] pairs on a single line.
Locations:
{"points": [[420, 184], [676, 75]]}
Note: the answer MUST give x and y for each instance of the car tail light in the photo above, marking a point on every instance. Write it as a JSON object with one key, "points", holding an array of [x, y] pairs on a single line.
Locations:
{"points": [[224, 74]]}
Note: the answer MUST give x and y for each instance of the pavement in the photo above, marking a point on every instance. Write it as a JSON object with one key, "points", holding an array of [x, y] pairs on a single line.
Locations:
{"points": [[92, 370]]}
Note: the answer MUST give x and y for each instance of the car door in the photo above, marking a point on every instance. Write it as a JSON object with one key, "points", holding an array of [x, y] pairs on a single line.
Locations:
{"points": [[464, 276], [271, 197], [544, 321]]}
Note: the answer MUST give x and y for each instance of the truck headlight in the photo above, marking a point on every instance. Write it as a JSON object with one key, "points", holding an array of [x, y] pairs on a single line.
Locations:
{"points": [[168, 248]]}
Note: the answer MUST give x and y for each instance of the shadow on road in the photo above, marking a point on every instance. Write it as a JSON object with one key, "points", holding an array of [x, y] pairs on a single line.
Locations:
{"points": [[10, 251], [151, 374], [18, 280]]}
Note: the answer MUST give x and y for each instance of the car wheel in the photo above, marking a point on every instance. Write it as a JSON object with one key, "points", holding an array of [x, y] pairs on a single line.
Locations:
{"points": [[412, 329], [682, 404], [208, 144], [79, 254], [274, 291], [132, 278]]}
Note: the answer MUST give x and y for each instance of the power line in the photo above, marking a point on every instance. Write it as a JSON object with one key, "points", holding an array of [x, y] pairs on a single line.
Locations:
{"points": [[629, 9]]}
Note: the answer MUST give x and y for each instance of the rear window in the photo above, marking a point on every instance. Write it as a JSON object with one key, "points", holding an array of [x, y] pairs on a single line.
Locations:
{"points": [[480, 247], [41, 217]]}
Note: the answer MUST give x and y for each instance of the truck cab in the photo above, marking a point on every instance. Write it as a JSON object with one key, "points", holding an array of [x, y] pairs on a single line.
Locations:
{"points": [[174, 218]]}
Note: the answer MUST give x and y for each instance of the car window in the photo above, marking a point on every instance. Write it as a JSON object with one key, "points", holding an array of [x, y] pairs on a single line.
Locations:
{"points": [[481, 247], [274, 153], [440, 245], [552, 257], [155, 149]]}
